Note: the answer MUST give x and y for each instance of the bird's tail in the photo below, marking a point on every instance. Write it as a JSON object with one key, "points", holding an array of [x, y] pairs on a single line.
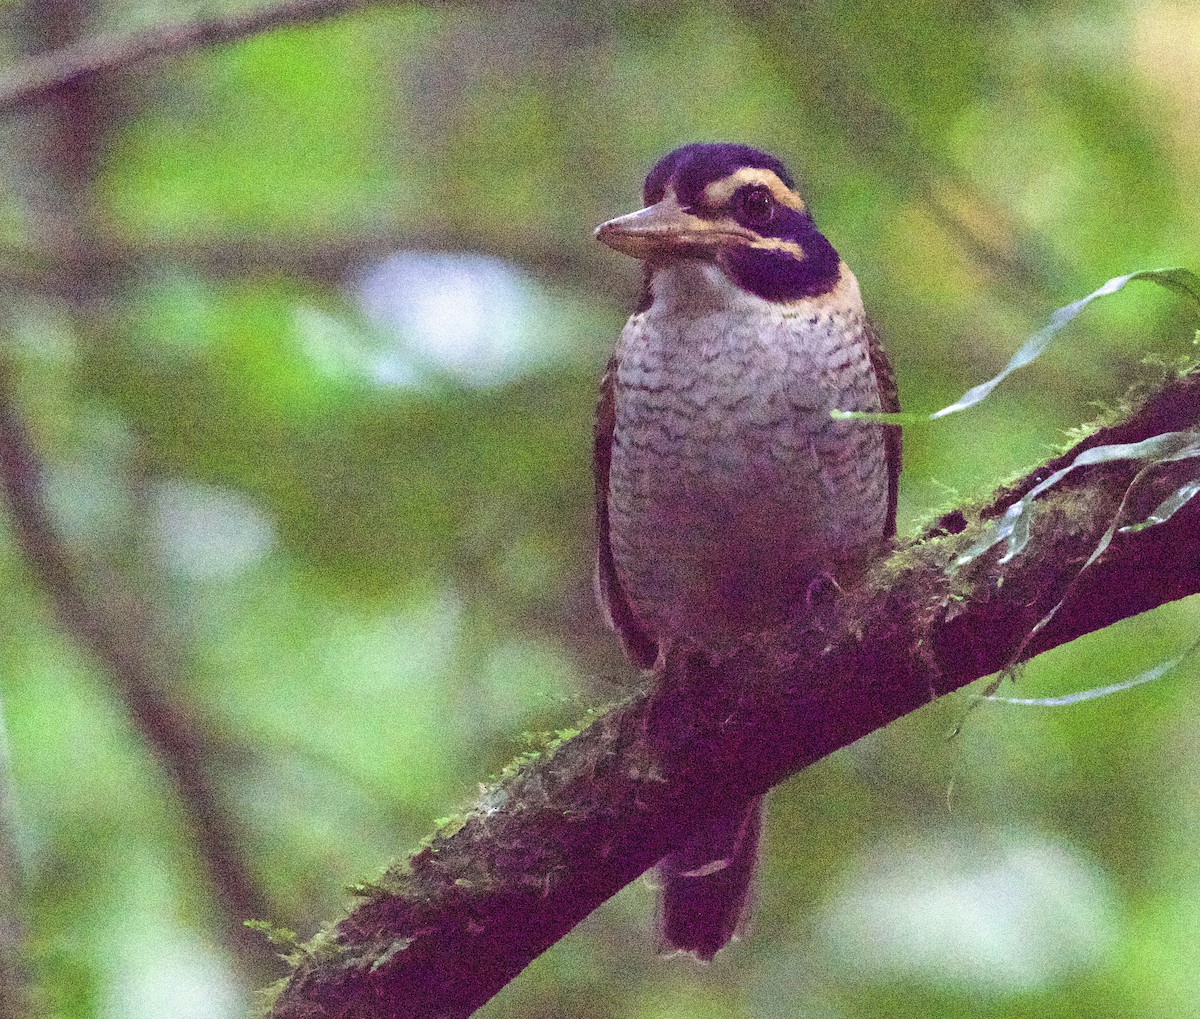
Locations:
{"points": [[706, 885]]}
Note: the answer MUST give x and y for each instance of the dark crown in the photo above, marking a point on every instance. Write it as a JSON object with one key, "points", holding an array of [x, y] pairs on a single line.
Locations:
{"points": [[791, 259]]}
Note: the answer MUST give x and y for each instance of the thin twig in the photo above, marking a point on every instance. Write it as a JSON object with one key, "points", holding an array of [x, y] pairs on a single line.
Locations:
{"points": [[37, 77]]}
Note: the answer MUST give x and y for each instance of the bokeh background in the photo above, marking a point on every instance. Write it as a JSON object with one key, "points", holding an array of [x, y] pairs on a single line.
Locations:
{"points": [[303, 334]]}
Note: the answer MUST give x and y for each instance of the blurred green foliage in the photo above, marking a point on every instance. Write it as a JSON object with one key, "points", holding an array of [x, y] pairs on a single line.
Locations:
{"points": [[373, 558]]}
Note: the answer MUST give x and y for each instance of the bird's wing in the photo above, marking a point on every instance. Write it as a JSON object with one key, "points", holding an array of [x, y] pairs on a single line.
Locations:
{"points": [[618, 613], [889, 401]]}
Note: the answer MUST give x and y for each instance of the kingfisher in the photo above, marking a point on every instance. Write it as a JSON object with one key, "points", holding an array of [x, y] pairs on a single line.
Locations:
{"points": [[727, 493]]}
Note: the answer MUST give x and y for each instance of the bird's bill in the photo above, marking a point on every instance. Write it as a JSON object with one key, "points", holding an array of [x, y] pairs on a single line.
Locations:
{"points": [[666, 228]]}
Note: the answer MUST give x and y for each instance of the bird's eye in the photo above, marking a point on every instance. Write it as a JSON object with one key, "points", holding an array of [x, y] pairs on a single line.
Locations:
{"points": [[756, 206]]}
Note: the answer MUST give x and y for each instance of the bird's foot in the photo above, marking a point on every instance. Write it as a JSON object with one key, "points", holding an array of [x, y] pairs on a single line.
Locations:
{"points": [[822, 591]]}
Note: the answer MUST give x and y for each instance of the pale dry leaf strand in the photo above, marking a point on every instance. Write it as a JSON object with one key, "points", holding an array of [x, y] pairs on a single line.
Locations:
{"points": [[1178, 280]]}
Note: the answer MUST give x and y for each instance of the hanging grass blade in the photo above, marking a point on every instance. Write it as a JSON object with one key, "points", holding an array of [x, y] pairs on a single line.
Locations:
{"points": [[1166, 509], [1013, 527], [1178, 280], [1149, 676]]}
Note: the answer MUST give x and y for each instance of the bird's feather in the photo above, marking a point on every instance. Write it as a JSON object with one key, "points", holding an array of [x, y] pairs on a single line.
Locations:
{"points": [[619, 614], [889, 403]]}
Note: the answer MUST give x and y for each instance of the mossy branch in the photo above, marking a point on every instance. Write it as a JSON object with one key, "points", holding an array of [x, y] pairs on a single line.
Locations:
{"points": [[549, 842]]}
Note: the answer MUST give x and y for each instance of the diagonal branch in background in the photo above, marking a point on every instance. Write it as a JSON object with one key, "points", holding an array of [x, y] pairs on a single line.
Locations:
{"points": [[115, 627], [35, 78], [547, 844], [329, 259], [815, 64]]}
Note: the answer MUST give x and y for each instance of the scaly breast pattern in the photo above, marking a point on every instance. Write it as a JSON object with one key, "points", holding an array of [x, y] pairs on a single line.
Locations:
{"points": [[731, 487]]}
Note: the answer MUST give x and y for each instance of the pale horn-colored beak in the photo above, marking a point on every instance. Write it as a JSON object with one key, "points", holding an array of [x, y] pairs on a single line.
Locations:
{"points": [[666, 228]]}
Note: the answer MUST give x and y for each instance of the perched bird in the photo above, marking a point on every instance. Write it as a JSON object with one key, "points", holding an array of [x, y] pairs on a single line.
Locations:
{"points": [[726, 493]]}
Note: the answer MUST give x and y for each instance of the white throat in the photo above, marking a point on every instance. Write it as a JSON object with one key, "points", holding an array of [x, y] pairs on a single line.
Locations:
{"points": [[700, 287], [697, 288]]}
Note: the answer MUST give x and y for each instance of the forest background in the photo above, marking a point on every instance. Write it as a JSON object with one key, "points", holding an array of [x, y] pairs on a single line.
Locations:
{"points": [[300, 344]]}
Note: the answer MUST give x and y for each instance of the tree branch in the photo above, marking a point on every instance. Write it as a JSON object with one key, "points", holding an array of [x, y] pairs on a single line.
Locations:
{"points": [[553, 839], [35, 78], [328, 260], [117, 629]]}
